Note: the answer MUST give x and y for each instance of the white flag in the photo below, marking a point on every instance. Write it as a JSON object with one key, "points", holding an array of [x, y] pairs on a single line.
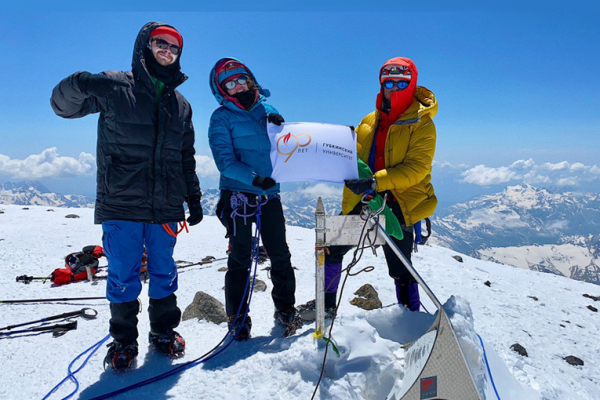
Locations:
{"points": [[305, 151]]}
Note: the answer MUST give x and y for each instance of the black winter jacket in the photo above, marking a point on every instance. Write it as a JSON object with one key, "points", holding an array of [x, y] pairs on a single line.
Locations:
{"points": [[145, 149]]}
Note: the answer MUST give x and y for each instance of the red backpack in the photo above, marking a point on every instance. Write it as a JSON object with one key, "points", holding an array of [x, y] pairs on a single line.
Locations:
{"points": [[75, 265]]}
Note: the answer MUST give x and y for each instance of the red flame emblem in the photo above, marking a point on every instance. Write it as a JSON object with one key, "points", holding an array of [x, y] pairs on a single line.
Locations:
{"points": [[286, 138]]}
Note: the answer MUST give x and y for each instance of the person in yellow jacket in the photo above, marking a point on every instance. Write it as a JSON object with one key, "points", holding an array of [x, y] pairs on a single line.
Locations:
{"points": [[397, 141]]}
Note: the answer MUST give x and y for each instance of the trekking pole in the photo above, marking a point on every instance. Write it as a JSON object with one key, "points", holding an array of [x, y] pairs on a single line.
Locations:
{"points": [[50, 300], [57, 330], [204, 261], [85, 313], [28, 279]]}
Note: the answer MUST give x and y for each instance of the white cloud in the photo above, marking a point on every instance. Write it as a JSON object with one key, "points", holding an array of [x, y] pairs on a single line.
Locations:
{"points": [[560, 174], [206, 167], [321, 189], [47, 164], [482, 175], [561, 166]]}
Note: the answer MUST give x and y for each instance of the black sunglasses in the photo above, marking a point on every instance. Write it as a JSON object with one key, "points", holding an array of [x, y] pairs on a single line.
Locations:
{"points": [[234, 82], [164, 45]]}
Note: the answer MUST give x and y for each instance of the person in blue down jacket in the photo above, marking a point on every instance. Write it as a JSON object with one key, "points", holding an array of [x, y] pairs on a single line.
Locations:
{"points": [[240, 146]]}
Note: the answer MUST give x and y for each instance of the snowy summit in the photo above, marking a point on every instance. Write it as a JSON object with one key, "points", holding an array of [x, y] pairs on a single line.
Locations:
{"points": [[546, 314]]}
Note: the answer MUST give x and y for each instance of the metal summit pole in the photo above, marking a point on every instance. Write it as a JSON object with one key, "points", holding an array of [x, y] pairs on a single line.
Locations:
{"points": [[320, 269]]}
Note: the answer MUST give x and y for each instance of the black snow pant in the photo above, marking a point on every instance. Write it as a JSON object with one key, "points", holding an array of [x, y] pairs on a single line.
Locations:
{"points": [[396, 268], [164, 317], [240, 234]]}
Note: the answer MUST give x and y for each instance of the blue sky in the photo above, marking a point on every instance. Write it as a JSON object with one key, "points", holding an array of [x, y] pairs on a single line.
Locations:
{"points": [[510, 86]]}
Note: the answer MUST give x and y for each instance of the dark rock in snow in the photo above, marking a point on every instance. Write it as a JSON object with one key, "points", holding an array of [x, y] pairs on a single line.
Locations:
{"points": [[519, 349], [206, 307], [595, 298], [366, 304], [71, 216], [25, 208], [573, 360], [259, 286], [223, 269], [367, 291], [458, 258], [50, 210], [369, 298], [487, 283], [592, 308], [533, 297]]}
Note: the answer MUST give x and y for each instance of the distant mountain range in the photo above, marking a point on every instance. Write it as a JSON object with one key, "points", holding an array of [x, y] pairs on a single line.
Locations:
{"points": [[298, 205], [530, 228], [523, 226], [34, 193]]}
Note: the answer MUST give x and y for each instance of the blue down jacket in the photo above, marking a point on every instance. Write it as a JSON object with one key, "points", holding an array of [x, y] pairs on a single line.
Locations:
{"points": [[238, 139]]}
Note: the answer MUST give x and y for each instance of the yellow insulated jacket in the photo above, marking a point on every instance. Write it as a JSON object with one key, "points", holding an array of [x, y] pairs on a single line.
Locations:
{"points": [[409, 151]]}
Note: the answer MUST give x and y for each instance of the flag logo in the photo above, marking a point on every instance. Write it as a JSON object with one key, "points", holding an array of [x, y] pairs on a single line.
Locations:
{"points": [[288, 149]]}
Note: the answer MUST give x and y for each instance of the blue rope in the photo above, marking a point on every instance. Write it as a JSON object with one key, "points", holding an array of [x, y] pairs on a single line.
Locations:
{"points": [[206, 357], [71, 374], [488, 367]]}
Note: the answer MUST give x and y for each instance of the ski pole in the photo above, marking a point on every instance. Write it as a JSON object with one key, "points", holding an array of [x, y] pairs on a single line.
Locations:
{"points": [[50, 300], [58, 329], [28, 279], [85, 313], [201, 262]]}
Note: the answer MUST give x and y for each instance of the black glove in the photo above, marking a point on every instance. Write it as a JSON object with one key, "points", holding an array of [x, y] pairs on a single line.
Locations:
{"points": [[195, 208], [98, 85], [359, 186], [263, 183], [276, 119]]}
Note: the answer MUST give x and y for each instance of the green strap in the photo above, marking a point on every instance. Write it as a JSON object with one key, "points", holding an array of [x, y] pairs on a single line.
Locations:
{"points": [[333, 346], [392, 226]]}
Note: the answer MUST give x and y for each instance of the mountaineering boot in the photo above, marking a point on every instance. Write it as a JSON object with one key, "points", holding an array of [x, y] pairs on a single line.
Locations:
{"points": [[170, 344], [307, 311], [242, 330], [289, 319], [408, 295], [119, 357]]}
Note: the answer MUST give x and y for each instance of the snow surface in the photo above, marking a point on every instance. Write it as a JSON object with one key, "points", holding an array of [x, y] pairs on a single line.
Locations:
{"points": [[557, 325]]}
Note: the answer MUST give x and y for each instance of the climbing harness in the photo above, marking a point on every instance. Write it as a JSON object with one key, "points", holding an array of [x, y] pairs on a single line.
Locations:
{"points": [[180, 227]]}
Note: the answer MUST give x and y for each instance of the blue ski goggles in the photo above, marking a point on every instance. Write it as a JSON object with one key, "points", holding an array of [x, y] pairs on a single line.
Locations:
{"points": [[399, 84]]}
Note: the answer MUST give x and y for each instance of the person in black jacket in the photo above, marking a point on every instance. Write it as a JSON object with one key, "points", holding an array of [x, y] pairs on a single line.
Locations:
{"points": [[146, 170]]}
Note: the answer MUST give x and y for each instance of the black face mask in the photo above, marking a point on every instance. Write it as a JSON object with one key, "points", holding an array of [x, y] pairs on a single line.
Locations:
{"points": [[164, 74], [386, 106], [245, 98]]}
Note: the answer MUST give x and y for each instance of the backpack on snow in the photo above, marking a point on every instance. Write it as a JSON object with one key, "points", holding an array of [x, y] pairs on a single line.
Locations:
{"points": [[76, 265]]}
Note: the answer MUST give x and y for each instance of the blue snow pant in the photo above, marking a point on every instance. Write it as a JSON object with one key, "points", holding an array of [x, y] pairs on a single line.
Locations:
{"points": [[124, 243]]}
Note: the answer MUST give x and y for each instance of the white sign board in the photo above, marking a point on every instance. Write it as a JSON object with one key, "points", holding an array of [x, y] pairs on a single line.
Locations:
{"points": [[306, 151]]}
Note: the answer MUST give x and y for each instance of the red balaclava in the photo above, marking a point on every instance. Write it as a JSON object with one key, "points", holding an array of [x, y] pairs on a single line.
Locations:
{"points": [[400, 100], [398, 68]]}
